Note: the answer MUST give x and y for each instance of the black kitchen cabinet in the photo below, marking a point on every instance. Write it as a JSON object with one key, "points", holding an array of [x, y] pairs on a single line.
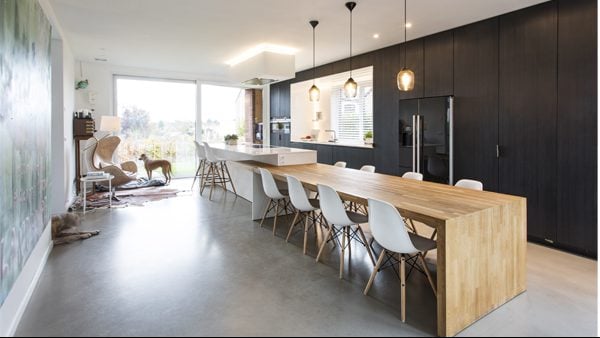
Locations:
{"points": [[527, 104], [280, 100], [577, 121], [354, 157], [324, 154], [438, 60], [476, 103], [274, 101], [280, 139]]}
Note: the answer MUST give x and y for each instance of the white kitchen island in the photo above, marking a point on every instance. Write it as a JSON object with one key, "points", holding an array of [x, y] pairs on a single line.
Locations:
{"points": [[247, 182]]}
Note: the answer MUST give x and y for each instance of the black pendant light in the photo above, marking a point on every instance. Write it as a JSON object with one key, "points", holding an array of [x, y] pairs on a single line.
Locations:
{"points": [[314, 93], [350, 87], [405, 78]]}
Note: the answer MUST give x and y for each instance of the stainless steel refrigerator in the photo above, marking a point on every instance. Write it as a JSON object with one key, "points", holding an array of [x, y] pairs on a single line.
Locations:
{"points": [[426, 138]]}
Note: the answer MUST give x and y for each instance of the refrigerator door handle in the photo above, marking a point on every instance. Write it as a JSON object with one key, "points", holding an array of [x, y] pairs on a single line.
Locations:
{"points": [[414, 143], [418, 158]]}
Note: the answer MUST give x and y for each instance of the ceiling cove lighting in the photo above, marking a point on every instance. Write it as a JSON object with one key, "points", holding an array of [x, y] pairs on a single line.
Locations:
{"points": [[405, 78], [263, 47], [314, 93], [350, 87]]}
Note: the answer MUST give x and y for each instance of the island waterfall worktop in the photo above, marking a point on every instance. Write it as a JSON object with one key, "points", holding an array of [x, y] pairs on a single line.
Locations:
{"points": [[242, 174], [277, 156]]}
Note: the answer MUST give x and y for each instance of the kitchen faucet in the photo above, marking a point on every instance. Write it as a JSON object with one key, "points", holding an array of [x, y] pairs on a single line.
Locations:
{"points": [[334, 137]]}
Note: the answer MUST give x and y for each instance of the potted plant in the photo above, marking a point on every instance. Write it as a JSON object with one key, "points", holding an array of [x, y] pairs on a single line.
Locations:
{"points": [[231, 139], [368, 137]]}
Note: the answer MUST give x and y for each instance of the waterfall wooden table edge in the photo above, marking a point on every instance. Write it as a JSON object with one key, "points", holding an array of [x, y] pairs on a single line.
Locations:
{"points": [[482, 236]]}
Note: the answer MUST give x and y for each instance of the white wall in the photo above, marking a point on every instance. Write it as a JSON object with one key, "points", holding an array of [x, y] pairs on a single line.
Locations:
{"points": [[304, 113], [63, 157]]}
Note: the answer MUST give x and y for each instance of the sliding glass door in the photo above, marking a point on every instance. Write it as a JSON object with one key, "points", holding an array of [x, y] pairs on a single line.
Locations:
{"points": [[158, 118]]}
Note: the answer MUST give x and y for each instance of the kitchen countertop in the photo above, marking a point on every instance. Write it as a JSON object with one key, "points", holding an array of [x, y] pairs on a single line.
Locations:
{"points": [[354, 145], [273, 155]]}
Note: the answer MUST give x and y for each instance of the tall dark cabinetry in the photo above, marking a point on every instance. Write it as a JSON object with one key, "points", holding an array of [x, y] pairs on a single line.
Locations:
{"points": [[528, 42], [476, 102], [576, 129], [524, 81]]}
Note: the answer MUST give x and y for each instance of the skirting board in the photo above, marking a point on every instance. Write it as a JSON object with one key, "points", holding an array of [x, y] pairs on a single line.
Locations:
{"points": [[15, 303]]}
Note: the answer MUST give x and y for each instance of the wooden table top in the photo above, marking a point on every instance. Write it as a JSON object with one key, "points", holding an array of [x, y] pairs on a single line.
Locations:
{"points": [[432, 203]]}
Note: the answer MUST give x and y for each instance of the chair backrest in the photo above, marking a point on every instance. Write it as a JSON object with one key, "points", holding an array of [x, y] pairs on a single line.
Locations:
{"points": [[105, 151], [269, 185], [88, 156], [368, 168], [388, 227], [413, 175], [298, 195], [200, 151], [332, 206], [210, 156], [340, 164], [469, 184]]}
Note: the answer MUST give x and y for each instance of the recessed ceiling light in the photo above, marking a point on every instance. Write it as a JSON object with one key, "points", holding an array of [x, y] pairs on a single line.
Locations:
{"points": [[408, 25], [263, 47], [375, 36]]}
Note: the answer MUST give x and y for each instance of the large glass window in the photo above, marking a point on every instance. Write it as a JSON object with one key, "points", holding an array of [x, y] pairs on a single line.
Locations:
{"points": [[158, 118], [222, 112]]}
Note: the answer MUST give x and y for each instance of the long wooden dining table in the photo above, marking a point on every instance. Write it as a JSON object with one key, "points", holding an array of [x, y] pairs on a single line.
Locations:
{"points": [[481, 235]]}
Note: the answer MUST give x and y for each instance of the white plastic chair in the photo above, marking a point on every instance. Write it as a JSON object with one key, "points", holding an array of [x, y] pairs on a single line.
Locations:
{"points": [[218, 173], [413, 175], [201, 164], [340, 223], [277, 198], [469, 184], [340, 164], [305, 209], [388, 229], [368, 168]]}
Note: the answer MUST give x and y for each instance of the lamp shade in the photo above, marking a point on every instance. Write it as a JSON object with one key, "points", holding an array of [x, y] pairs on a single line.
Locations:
{"points": [[314, 93], [110, 123], [405, 79], [350, 88]]}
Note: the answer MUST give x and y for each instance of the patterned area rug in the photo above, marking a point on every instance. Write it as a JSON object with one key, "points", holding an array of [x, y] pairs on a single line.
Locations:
{"points": [[125, 198]]}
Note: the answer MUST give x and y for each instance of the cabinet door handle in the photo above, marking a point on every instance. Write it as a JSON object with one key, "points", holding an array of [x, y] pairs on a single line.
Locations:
{"points": [[497, 151]]}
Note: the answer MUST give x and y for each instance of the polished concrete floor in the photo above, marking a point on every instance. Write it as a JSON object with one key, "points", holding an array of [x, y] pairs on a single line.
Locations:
{"points": [[187, 266]]}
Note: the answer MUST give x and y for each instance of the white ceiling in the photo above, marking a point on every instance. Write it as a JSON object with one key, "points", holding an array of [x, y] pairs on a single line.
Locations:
{"points": [[198, 36]]}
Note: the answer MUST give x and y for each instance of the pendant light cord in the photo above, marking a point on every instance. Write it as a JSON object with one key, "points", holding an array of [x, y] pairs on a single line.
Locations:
{"points": [[351, 43], [313, 55], [404, 33]]}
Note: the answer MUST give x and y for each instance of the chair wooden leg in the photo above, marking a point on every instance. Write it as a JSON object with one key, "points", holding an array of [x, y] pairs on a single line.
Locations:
{"points": [[230, 180], [343, 248], [275, 220], [427, 273], [196, 175], [265, 213], [202, 174], [347, 233], [375, 271], [205, 183], [306, 217], [212, 183], [292, 226], [325, 239], [403, 288], [367, 246]]}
